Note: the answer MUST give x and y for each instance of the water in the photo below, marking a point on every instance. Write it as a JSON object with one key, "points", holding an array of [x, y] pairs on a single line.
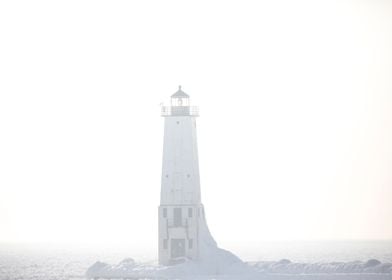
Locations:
{"points": [[44, 262], [317, 251]]}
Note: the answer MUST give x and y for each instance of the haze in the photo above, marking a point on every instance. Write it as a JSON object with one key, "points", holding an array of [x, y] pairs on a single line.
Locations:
{"points": [[295, 126]]}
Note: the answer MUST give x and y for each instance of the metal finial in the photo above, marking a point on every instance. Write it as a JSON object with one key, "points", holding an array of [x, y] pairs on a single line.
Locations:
{"points": [[179, 87]]}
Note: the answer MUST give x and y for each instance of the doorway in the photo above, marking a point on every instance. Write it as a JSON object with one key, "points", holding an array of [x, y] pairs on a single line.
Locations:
{"points": [[177, 248]]}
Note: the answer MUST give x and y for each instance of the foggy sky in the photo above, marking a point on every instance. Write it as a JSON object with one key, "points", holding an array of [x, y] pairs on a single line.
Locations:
{"points": [[294, 136]]}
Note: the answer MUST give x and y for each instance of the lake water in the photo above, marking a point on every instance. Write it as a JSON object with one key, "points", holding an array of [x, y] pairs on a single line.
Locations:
{"points": [[44, 262]]}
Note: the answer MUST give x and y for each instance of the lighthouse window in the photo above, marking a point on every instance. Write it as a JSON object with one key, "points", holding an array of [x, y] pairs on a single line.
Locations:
{"points": [[164, 212], [177, 215], [178, 122], [165, 244], [190, 212], [188, 175], [190, 243]]}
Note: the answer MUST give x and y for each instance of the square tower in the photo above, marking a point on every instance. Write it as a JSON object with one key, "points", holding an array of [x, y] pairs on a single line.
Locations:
{"points": [[180, 210]]}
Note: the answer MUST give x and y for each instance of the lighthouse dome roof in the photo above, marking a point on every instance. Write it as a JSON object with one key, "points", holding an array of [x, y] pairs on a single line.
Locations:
{"points": [[179, 94]]}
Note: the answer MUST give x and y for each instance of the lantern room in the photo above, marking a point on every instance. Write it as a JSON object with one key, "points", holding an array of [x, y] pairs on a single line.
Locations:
{"points": [[180, 98], [179, 106]]}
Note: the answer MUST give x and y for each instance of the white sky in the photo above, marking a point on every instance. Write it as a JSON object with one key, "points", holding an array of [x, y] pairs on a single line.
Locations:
{"points": [[295, 133]]}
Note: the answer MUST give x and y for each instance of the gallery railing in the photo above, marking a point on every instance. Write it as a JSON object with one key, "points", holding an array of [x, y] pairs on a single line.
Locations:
{"points": [[167, 111]]}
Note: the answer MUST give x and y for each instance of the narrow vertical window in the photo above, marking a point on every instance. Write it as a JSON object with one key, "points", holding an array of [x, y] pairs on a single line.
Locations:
{"points": [[177, 217], [164, 212], [190, 243], [165, 244], [190, 212]]}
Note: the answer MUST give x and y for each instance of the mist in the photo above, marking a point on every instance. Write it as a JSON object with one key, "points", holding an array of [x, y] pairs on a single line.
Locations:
{"points": [[294, 134]]}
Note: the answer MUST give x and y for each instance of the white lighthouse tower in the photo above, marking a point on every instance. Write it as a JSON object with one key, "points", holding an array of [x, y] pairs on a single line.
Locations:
{"points": [[182, 226]]}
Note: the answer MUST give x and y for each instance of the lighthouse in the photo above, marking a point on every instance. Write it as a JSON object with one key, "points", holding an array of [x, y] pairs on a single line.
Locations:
{"points": [[183, 230]]}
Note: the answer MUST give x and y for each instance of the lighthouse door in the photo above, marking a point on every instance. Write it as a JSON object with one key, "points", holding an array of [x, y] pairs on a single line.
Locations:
{"points": [[177, 248]]}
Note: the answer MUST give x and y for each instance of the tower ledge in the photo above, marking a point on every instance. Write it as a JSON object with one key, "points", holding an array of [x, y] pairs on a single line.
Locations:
{"points": [[175, 111]]}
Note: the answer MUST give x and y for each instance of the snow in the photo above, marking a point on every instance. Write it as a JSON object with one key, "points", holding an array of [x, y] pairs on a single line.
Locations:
{"points": [[286, 266], [224, 265]]}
